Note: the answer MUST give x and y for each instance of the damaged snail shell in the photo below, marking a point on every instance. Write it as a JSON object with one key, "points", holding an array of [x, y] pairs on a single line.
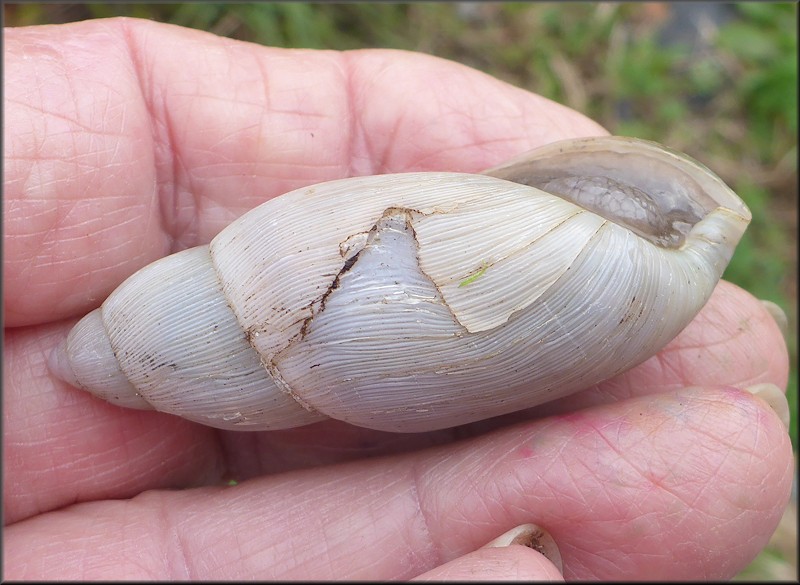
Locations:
{"points": [[419, 301]]}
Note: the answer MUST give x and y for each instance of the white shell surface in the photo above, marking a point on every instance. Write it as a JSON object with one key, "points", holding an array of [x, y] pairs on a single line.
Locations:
{"points": [[180, 345], [402, 361], [274, 281], [483, 297], [419, 301]]}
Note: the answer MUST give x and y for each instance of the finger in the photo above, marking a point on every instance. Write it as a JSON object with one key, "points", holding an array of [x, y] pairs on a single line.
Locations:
{"points": [[60, 448], [169, 134], [514, 563], [682, 485], [42, 415]]}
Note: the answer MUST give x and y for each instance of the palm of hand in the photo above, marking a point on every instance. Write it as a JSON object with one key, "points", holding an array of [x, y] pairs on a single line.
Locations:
{"points": [[152, 154]]}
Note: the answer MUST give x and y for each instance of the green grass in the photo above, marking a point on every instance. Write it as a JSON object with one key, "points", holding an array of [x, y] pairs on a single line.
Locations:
{"points": [[731, 105]]}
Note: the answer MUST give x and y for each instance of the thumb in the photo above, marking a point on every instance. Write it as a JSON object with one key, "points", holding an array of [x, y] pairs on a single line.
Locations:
{"points": [[524, 553]]}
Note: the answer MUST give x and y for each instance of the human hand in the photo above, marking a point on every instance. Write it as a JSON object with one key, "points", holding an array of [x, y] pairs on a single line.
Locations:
{"points": [[128, 140]]}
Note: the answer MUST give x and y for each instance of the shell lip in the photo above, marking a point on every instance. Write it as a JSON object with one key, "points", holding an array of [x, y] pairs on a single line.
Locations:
{"points": [[656, 192]]}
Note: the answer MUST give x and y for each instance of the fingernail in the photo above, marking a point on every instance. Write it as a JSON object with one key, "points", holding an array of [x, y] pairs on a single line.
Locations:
{"points": [[780, 317], [534, 537], [776, 400]]}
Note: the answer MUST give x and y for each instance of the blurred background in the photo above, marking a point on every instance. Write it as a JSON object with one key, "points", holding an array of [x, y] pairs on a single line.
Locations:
{"points": [[715, 80]]}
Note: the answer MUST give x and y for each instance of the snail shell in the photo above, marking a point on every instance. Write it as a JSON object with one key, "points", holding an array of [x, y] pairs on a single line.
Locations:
{"points": [[418, 301]]}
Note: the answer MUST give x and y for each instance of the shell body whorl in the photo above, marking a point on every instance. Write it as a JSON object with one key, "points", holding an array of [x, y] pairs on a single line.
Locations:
{"points": [[418, 301]]}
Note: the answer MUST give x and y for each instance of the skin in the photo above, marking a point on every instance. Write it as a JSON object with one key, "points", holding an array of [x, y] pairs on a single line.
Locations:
{"points": [[127, 140]]}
